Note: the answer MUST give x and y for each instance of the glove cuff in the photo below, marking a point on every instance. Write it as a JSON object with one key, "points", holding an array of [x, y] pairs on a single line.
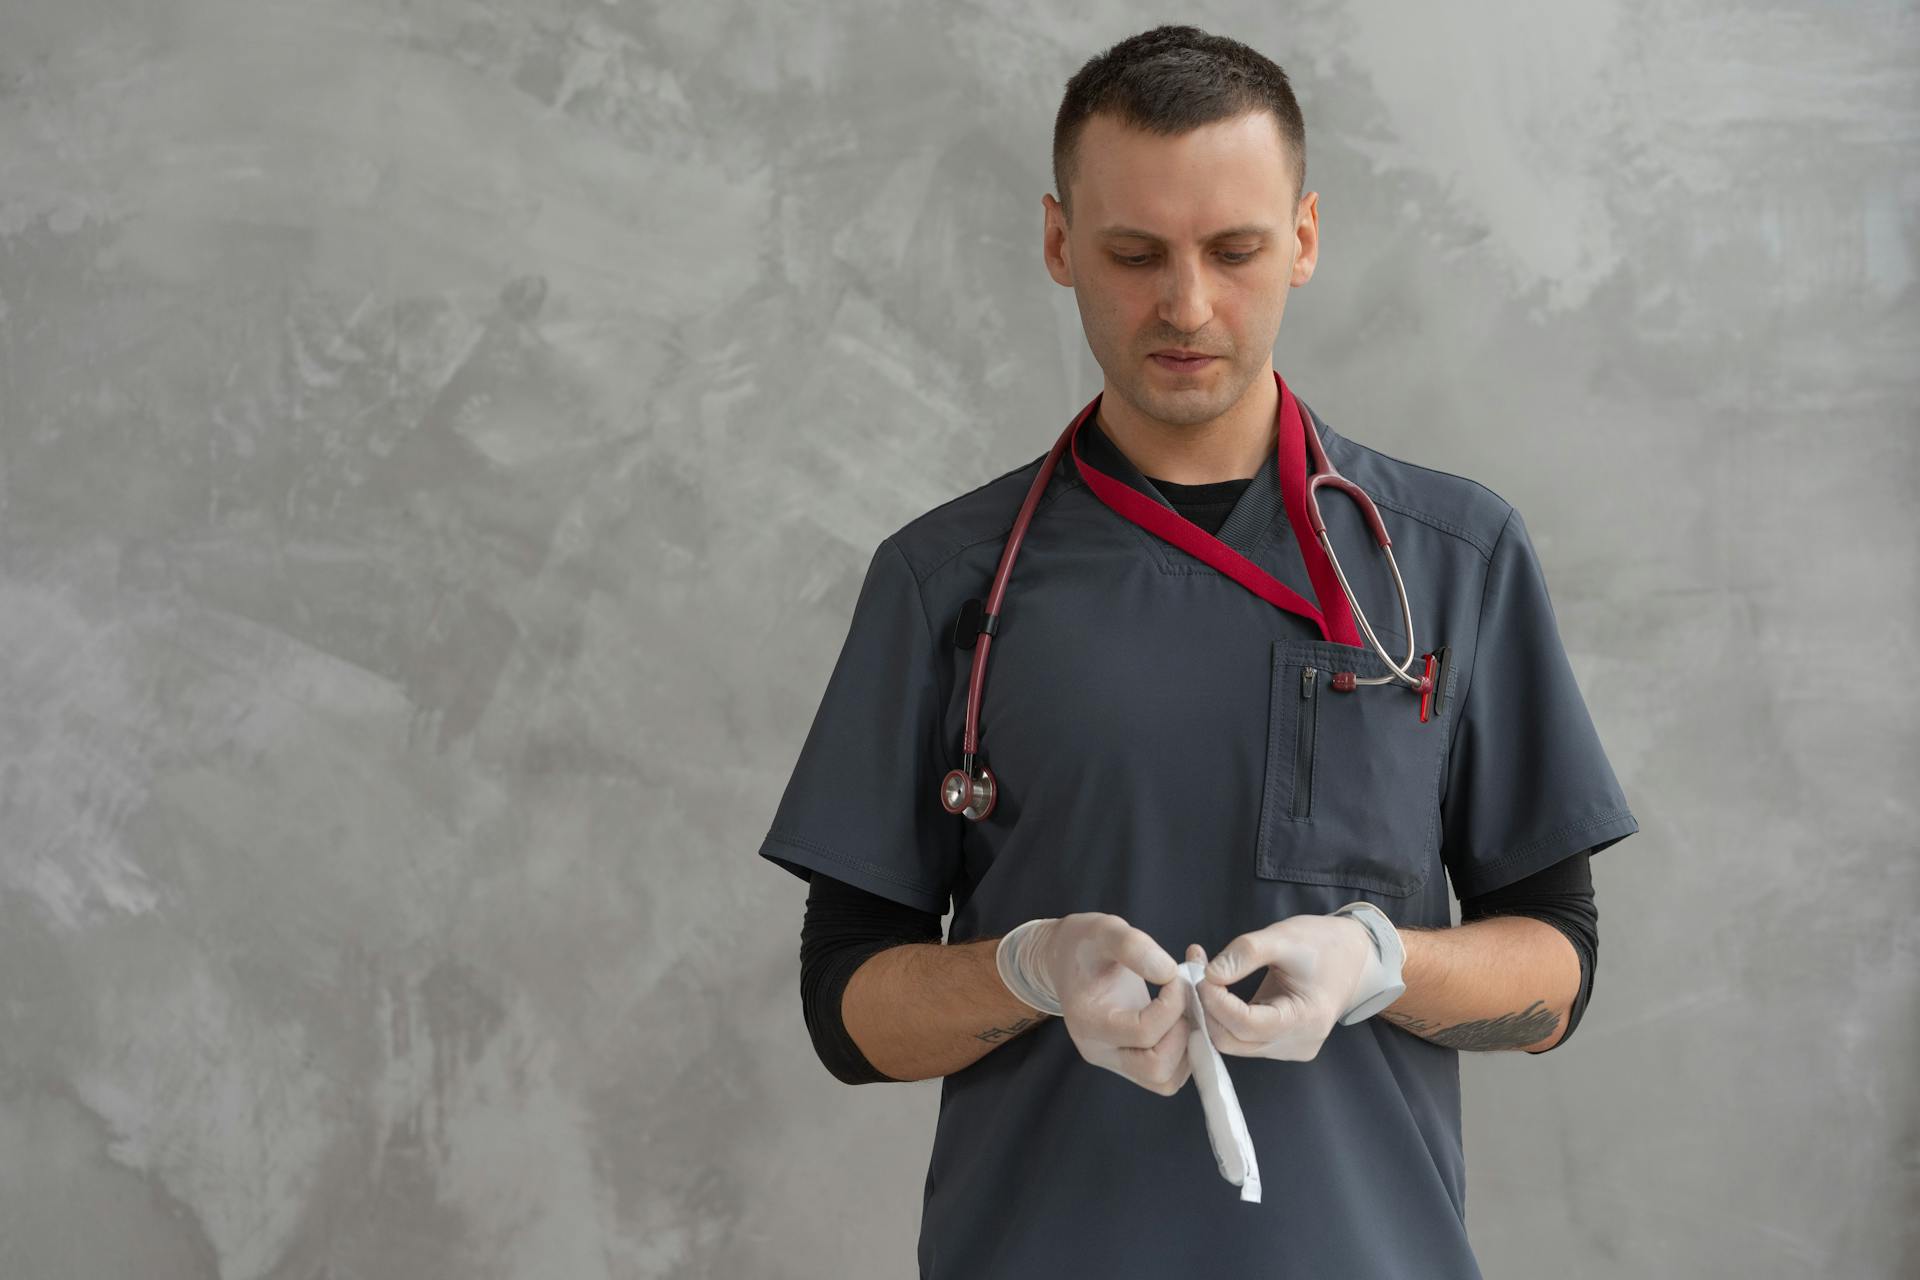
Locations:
{"points": [[1380, 982], [1013, 958]]}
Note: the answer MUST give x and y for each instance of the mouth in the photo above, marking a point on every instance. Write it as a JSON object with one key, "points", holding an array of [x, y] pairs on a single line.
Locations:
{"points": [[1182, 361]]}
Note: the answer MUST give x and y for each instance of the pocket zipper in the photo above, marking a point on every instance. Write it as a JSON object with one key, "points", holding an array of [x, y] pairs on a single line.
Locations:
{"points": [[1303, 746]]}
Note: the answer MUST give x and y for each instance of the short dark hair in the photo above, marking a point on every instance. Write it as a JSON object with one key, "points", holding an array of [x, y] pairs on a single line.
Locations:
{"points": [[1171, 80]]}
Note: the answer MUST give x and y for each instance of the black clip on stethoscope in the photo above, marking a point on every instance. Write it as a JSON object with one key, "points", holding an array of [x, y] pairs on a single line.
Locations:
{"points": [[971, 789]]}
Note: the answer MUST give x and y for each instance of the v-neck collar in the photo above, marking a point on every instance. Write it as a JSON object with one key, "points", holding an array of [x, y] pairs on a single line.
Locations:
{"points": [[1244, 526], [1136, 502]]}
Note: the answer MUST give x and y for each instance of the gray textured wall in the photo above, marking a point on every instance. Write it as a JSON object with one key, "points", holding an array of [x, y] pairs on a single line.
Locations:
{"points": [[439, 447]]}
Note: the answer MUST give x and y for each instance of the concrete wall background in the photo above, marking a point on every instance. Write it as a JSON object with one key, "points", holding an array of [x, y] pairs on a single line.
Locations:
{"points": [[439, 447]]}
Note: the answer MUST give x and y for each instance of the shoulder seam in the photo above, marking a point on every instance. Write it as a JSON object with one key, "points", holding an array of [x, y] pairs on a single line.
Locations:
{"points": [[1046, 501], [985, 484], [1479, 622], [925, 620], [1432, 521], [1466, 536], [942, 681], [1068, 483]]}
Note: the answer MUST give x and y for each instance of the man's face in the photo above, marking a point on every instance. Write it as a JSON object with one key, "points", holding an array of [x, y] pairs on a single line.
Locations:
{"points": [[1167, 278]]}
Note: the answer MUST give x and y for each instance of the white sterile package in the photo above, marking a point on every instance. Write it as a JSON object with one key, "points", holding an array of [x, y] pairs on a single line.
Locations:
{"points": [[1226, 1126]]}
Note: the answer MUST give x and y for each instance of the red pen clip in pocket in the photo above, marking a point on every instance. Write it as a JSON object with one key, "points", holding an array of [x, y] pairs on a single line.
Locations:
{"points": [[1434, 682]]}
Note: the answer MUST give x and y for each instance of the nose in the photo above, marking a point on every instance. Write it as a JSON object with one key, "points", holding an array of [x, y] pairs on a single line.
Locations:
{"points": [[1185, 306]]}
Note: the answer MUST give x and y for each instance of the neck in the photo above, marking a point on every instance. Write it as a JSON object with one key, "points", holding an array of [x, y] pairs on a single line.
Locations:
{"points": [[1230, 447]]}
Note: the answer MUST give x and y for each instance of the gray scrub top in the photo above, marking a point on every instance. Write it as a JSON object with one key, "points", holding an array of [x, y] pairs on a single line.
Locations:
{"points": [[1159, 758]]}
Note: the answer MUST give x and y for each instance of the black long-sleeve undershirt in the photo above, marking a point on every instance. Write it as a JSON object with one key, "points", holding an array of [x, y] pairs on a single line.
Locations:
{"points": [[845, 925]]}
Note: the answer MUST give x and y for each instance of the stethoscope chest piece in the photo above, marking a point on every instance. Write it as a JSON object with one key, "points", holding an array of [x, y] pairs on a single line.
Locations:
{"points": [[972, 797]]}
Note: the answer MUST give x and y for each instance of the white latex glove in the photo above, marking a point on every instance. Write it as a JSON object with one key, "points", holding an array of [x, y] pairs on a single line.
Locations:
{"points": [[1226, 1124], [1092, 969], [1314, 968]]}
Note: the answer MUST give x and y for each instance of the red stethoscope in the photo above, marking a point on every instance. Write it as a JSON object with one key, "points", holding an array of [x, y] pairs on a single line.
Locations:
{"points": [[971, 789]]}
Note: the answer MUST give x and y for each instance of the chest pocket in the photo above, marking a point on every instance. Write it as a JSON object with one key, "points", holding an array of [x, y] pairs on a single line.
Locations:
{"points": [[1352, 790]]}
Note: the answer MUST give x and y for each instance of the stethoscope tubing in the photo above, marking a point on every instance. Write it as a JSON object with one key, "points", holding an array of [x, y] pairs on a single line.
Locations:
{"points": [[1324, 472], [990, 620]]}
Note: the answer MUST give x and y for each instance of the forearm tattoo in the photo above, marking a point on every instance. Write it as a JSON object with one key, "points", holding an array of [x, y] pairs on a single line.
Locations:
{"points": [[996, 1034], [1508, 1031]]}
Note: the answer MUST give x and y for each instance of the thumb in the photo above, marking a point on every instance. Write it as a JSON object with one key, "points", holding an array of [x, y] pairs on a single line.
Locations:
{"points": [[1228, 964], [1140, 953]]}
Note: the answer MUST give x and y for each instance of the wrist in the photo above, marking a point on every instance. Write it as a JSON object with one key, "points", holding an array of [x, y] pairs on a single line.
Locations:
{"points": [[1381, 981], [1016, 958]]}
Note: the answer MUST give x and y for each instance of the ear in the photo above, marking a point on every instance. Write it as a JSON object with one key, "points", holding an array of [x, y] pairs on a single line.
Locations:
{"points": [[1307, 239], [1056, 249]]}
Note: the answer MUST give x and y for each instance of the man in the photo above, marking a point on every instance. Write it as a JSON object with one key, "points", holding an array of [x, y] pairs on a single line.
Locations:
{"points": [[1172, 783]]}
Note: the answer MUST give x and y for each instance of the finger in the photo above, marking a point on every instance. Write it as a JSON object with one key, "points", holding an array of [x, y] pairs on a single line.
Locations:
{"points": [[1141, 1067], [1140, 953], [1229, 1015], [1235, 960], [1183, 1061], [1300, 1044], [1222, 1009], [1138, 1028], [1249, 1026], [1250, 951], [1158, 1067]]}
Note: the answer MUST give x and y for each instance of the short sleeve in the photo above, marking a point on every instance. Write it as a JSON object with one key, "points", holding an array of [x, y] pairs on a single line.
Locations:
{"points": [[1527, 781], [863, 804]]}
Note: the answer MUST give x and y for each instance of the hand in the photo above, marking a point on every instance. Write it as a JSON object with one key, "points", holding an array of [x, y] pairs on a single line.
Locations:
{"points": [[1095, 967], [1314, 967]]}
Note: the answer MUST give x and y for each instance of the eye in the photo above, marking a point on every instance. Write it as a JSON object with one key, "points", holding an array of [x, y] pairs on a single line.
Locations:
{"points": [[1141, 259]]}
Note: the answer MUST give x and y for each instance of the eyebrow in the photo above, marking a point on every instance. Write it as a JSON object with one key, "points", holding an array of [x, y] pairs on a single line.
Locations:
{"points": [[1249, 229]]}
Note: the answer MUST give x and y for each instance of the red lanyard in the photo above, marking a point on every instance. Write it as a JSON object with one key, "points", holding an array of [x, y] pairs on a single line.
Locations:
{"points": [[1291, 464]]}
